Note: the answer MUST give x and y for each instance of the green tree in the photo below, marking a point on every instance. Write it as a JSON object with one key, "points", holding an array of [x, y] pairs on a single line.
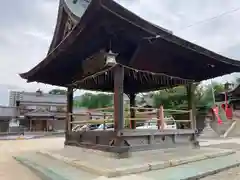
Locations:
{"points": [[177, 97], [170, 98], [58, 92], [207, 96], [92, 101], [76, 103]]}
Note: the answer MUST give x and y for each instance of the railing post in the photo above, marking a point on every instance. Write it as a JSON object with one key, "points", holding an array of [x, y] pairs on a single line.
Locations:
{"points": [[104, 123], [161, 118], [192, 124]]}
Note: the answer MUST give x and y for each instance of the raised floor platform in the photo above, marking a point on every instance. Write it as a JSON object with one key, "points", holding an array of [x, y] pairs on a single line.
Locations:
{"points": [[72, 163], [104, 165], [123, 143]]}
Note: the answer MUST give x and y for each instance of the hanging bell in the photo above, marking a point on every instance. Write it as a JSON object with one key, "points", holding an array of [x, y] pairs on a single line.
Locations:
{"points": [[111, 58]]}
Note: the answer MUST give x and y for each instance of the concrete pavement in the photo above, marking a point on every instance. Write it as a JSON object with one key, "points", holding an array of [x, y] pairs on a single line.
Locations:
{"points": [[11, 169]]}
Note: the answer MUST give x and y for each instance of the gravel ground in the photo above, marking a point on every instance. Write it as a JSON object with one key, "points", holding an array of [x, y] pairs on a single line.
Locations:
{"points": [[231, 174], [11, 169]]}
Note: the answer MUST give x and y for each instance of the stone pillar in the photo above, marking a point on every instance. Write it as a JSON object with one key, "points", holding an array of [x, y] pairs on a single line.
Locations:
{"points": [[68, 126], [132, 110], [118, 98]]}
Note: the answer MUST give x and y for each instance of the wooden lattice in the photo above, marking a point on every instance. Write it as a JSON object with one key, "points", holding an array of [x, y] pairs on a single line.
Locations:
{"points": [[68, 26]]}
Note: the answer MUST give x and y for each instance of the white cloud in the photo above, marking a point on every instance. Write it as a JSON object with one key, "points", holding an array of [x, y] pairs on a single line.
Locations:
{"points": [[39, 35]]}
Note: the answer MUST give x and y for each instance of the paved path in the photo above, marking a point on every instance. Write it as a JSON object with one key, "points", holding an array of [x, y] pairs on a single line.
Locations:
{"points": [[208, 142], [231, 174], [231, 143], [11, 169]]}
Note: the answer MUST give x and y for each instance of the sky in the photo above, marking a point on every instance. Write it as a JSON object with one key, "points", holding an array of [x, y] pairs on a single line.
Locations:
{"points": [[26, 30]]}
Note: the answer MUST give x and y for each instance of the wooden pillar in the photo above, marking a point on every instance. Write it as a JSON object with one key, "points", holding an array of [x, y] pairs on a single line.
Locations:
{"points": [[30, 124], [191, 104], [132, 110], [68, 126], [118, 98]]}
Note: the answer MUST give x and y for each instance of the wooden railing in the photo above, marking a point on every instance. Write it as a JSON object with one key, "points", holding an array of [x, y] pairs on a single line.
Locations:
{"points": [[105, 116]]}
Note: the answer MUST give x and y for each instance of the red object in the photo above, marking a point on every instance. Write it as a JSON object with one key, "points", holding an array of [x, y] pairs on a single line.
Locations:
{"points": [[216, 112], [229, 111], [228, 108]]}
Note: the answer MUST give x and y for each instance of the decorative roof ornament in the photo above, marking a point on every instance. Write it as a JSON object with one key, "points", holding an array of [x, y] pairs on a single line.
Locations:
{"points": [[39, 92], [111, 58]]}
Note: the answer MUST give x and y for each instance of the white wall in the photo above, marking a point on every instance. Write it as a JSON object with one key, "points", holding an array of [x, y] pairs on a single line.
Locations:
{"points": [[7, 111]]}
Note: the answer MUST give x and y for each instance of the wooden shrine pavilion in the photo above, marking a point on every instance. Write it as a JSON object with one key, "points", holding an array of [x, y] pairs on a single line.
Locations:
{"points": [[101, 46]]}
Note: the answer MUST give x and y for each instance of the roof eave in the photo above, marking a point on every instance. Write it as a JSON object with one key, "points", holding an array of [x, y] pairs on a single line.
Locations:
{"points": [[23, 75], [34, 71]]}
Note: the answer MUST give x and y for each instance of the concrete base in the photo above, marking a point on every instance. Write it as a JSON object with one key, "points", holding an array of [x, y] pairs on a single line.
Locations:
{"points": [[104, 164], [125, 141], [230, 128]]}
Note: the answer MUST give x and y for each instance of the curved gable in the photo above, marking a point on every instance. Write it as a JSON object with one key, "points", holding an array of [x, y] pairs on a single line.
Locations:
{"points": [[69, 14]]}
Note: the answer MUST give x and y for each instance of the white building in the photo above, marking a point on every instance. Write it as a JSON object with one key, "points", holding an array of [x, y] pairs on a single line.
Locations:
{"points": [[14, 96]]}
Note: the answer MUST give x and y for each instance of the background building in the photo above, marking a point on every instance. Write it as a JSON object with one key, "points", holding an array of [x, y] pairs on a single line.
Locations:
{"points": [[7, 113], [38, 111], [14, 96]]}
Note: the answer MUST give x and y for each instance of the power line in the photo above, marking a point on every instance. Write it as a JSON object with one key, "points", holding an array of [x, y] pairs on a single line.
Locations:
{"points": [[201, 22], [212, 18]]}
